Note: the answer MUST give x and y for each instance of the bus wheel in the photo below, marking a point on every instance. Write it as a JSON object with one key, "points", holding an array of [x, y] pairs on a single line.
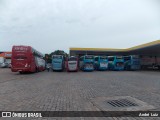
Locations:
{"points": [[36, 70], [21, 72], [158, 67]]}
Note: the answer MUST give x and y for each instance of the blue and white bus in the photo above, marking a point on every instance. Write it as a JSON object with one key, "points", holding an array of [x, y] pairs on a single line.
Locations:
{"points": [[115, 62], [58, 63], [86, 63], [132, 62], [101, 63]]}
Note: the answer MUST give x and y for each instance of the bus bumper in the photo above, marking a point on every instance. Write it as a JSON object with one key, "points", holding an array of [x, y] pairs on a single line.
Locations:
{"points": [[103, 68], [88, 69], [119, 68], [56, 69], [20, 70]]}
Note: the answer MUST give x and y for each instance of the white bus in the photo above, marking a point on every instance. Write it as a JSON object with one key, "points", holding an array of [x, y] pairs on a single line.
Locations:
{"points": [[3, 62]]}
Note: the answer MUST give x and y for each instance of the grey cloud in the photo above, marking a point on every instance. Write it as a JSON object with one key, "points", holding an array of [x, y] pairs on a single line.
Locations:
{"points": [[72, 21], [48, 25]]}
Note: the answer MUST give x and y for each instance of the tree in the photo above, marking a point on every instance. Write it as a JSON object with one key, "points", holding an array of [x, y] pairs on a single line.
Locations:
{"points": [[59, 52], [48, 57]]}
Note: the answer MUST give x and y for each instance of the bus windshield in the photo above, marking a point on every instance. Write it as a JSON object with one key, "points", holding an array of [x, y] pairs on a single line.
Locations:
{"points": [[110, 58], [119, 57], [103, 57], [89, 57], [135, 56], [57, 57], [127, 58], [72, 59]]}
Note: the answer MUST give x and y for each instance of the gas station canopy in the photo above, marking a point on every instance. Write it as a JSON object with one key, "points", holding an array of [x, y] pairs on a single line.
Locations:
{"points": [[149, 49]]}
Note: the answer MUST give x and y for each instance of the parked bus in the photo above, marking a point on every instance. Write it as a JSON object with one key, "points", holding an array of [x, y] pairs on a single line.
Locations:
{"points": [[5, 59], [101, 62], [132, 62], [72, 63], [86, 63], [150, 62], [26, 59], [8, 61], [58, 62], [115, 62], [3, 62]]}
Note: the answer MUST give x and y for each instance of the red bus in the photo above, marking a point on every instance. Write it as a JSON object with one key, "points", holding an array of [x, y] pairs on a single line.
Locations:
{"points": [[72, 63], [26, 59]]}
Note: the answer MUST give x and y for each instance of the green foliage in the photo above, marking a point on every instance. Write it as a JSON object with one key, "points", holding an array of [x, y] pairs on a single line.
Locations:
{"points": [[59, 52], [48, 57]]}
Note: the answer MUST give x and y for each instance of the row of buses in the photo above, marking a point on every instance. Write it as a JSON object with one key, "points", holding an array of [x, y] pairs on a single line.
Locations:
{"points": [[27, 59], [91, 63]]}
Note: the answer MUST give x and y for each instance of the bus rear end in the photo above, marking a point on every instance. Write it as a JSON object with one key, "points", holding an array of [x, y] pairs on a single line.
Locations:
{"points": [[88, 63], [72, 63], [20, 60], [135, 62], [132, 62], [57, 63], [119, 63], [103, 63]]}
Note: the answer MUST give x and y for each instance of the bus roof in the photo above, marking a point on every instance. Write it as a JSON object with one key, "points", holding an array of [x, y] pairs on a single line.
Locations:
{"points": [[29, 47]]}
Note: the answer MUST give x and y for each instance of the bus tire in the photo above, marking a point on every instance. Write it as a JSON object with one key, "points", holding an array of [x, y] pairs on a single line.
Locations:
{"points": [[21, 72], [36, 70], [159, 67]]}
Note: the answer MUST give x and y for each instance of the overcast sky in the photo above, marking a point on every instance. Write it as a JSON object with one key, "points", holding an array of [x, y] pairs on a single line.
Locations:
{"points": [[48, 25]]}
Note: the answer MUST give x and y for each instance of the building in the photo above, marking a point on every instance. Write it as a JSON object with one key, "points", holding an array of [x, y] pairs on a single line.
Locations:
{"points": [[148, 49], [6, 54]]}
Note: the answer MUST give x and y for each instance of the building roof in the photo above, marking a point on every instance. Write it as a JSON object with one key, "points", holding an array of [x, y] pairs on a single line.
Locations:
{"points": [[6, 54], [147, 49]]}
